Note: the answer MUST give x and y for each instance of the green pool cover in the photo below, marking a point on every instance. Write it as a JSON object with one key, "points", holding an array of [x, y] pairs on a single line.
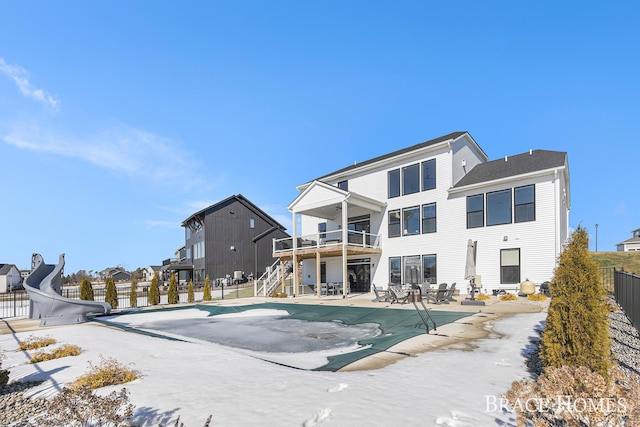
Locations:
{"points": [[396, 325]]}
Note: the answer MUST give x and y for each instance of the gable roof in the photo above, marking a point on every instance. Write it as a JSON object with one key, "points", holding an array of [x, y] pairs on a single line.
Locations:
{"points": [[448, 137], [241, 199], [631, 240], [5, 268], [521, 164]]}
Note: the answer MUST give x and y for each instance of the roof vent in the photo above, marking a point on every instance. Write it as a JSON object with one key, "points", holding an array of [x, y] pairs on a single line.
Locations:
{"points": [[530, 151], [505, 158]]}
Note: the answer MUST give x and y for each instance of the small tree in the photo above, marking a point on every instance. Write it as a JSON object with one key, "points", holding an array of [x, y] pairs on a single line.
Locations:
{"points": [[577, 328], [4, 374], [86, 290], [190, 296], [154, 291], [173, 296], [133, 294], [207, 290], [111, 294]]}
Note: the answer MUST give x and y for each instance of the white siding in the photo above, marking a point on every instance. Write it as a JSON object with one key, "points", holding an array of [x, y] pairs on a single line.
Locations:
{"points": [[539, 241]]}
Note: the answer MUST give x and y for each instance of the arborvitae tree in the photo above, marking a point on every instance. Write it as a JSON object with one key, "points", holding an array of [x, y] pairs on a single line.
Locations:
{"points": [[133, 294], [86, 290], [154, 291], [577, 328], [111, 294], [190, 296], [207, 290], [173, 296]]}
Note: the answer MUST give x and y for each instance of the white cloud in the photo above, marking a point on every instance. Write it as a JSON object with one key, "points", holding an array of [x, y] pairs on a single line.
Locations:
{"points": [[20, 77], [121, 148]]}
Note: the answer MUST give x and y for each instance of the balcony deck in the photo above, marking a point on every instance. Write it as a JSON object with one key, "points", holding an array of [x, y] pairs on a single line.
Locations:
{"points": [[328, 244]]}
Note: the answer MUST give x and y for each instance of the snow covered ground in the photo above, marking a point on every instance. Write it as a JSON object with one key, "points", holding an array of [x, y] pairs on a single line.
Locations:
{"points": [[460, 385]]}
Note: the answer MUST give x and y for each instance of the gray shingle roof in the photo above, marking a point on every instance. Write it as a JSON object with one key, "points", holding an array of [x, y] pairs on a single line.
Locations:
{"points": [[5, 268], [520, 164], [452, 135]]}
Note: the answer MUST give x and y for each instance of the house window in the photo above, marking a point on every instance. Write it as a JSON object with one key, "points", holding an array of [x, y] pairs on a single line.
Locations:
{"points": [[343, 185], [188, 254], [429, 269], [411, 221], [429, 218], [499, 207], [252, 223], [187, 233], [509, 266], [394, 223], [393, 178], [429, 175], [411, 179], [412, 270], [322, 229], [395, 274], [475, 211], [525, 203]]}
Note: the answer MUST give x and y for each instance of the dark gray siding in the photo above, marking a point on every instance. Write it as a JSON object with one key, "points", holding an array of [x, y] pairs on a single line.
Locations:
{"points": [[229, 226]]}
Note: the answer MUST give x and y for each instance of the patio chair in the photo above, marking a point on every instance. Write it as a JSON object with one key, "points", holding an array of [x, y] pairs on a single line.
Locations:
{"points": [[441, 293], [381, 295], [428, 293], [448, 297], [397, 294]]}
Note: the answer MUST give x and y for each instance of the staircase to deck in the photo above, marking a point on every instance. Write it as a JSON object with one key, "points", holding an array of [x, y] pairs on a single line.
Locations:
{"points": [[272, 278]]}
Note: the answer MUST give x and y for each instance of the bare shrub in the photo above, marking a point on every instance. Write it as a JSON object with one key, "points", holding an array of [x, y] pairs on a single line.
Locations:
{"points": [[81, 407], [63, 351], [108, 372], [576, 397], [34, 342]]}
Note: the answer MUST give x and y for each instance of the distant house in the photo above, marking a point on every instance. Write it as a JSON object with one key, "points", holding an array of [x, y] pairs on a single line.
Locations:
{"points": [[10, 277], [150, 271], [233, 235], [118, 274], [632, 244]]}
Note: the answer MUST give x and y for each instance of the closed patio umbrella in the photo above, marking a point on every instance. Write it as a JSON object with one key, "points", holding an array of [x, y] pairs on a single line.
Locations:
{"points": [[470, 266]]}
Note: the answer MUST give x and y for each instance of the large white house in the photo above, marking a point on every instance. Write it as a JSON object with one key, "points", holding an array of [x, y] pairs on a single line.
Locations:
{"points": [[409, 215]]}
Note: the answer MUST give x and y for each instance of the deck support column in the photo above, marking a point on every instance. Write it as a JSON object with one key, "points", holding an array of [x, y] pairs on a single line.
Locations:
{"points": [[294, 246], [345, 240], [318, 284]]}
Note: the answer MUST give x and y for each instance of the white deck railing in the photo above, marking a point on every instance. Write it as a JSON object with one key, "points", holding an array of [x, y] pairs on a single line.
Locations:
{"points": [[328, 239]]}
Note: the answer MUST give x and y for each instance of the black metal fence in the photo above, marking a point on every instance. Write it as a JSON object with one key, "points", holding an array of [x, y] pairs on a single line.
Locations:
{"points": [[627, 294], [16, 304], [606, 275]]}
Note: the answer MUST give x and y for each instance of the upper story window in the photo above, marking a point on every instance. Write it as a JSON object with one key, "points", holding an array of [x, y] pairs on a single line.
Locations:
{"points": [[343, 185], [393, 183], [475, 211], [429, 218], [429, 175], [187, 233], [411, 221], [411, 179], [252, 223], [499, 207], [394, 223], [525, 203], [322, 229]]}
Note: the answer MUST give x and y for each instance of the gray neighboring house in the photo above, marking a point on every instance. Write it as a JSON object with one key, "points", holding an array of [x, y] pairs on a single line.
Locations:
{"points": [[119, 274], [10, 277], [632, 244], [231, 236]]}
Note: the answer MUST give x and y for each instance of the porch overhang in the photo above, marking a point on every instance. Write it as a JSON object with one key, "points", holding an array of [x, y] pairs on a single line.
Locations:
{"points": [[325, 201]]}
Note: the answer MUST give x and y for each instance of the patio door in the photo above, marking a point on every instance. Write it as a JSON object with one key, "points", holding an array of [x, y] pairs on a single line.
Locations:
{"points": [[359, 225], [359, 273]]}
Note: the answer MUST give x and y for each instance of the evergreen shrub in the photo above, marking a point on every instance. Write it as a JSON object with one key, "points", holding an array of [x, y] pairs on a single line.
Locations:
{"points": [[207, 290], [190, 296], [154, 291], [173, 296], [576, 332], [133, 294], [86, 290], [111, 293]]}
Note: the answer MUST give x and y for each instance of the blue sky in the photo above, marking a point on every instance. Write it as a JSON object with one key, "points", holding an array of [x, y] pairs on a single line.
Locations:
{"points": [[119, 119]]}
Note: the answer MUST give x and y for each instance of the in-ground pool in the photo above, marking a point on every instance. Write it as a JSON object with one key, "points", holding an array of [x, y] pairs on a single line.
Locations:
{"points": [[318, 337]]}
